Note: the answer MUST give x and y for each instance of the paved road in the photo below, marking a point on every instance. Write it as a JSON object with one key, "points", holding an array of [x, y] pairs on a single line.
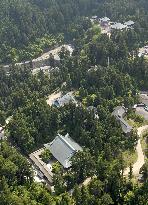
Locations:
{"points": [[143, 112], [144, 98], [140, 161]]}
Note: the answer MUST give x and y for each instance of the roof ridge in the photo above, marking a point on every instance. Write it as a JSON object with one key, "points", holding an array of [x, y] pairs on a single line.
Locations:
{"points": [[67, 143]]}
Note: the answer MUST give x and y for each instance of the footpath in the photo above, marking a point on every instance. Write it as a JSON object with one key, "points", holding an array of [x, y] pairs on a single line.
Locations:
{"points": [[140, 160]]}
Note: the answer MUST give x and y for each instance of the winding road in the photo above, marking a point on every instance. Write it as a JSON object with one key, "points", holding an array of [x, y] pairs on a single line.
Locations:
{"points": [[140, 161]]}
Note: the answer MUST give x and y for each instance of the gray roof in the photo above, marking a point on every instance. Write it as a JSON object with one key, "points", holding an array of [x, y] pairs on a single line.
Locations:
{"points": [[118, 26], [63, 149], [129, 23], [66, 99], [119, 113], [104, 19], [94, 17]]}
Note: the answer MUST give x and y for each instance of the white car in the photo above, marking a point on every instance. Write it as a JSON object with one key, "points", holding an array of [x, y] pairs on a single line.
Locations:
{"points": [[146, 108]]}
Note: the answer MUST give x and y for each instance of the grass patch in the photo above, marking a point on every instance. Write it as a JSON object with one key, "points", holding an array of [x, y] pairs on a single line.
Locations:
{"points": [[132, 123], [135, 120], [136, 124], [129, 157]]}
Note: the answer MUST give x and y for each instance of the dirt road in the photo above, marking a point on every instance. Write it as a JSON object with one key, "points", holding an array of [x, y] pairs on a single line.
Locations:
{"points": [[140, 161]]}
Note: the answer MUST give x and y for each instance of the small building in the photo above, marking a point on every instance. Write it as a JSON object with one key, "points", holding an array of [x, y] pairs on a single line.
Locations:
{"points": [[42, 167], [104, 22], [105, 19], [94, 17], [118, 26], [66, 99], [63, 148], [119, 113], [129, 23]]}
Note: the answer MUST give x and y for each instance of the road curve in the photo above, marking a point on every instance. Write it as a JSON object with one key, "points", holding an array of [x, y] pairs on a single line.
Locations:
{"points": [[140, 161]]}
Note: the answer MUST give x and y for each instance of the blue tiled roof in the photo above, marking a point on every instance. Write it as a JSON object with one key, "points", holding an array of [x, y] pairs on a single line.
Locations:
{"points": [[63, 149]]}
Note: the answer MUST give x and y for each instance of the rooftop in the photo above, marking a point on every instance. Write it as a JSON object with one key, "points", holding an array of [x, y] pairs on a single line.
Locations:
{"points": [[118, 26], [129, 23], [63, 149], [66, 99], [105, 19], [119, 113], [94, 17], [44, 169]]}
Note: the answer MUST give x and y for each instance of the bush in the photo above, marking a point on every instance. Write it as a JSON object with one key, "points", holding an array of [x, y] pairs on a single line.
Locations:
{"points": [[46, 155], [56, 167], [139, 119]]}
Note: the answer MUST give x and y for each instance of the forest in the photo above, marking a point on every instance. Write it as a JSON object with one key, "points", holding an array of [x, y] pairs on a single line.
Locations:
{"points": [[94, 82], [19, 32]]}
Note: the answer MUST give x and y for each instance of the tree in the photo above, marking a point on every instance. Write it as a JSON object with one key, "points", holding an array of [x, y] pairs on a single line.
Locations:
{"points": [[83, 165], [2, 118], [46, 155], [144, 171], [77, 194], [130, 174], [56, 168], [65, 199]]}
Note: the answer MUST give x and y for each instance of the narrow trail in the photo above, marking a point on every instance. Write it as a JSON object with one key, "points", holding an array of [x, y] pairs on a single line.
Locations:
{"points": [[136, 166], [140, 161]]}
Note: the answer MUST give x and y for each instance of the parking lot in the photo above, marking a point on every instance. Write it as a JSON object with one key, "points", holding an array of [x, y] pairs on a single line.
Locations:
{"points": [[144, 98], [141, 111]]}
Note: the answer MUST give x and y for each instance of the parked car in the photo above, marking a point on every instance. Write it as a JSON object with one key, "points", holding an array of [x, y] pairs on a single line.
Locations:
{"points": [[141, 105]]}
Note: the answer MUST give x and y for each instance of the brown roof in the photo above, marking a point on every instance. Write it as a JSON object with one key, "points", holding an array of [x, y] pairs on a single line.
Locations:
{"points": [[41, 165]]}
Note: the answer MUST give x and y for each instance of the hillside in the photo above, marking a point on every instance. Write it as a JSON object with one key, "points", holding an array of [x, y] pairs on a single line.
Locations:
{"points": [[22, 22], [73, 102]]}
